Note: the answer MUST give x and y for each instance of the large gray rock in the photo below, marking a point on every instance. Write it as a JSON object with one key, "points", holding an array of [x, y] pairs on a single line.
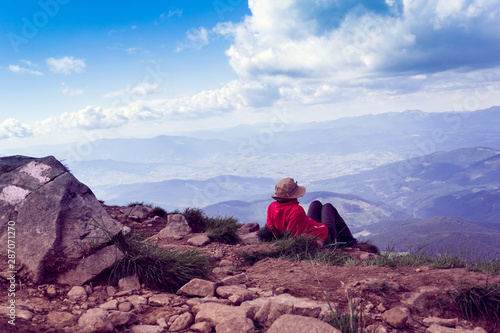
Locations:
{"points": [[91, 266], [57, 219]]}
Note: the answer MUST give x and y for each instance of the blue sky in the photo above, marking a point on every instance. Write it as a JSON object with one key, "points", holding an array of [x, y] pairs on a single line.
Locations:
{"points": [[71, 69]]}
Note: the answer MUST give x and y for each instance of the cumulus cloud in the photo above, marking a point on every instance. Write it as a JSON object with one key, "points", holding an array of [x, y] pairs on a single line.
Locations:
{"points": [[310, 49], [13, 128], [66, 65], [21, 70]]}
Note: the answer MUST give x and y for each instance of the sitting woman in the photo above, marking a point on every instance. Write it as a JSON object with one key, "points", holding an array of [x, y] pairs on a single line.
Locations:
{"points": [[322, 221]]}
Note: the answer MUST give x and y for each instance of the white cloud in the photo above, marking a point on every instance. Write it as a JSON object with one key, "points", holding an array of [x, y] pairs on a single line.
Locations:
{"points": [[65, 90], [141, 89], [66, 65], [21, 70], [196, 38], [13, 128], [326, 51]]}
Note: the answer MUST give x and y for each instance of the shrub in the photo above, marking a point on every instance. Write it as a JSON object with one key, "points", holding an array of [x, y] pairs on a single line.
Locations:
{"points": [[158, 211], [266, 235], [223, 229], [156, 267], [479, 302], [219, 229], [196, 219]]}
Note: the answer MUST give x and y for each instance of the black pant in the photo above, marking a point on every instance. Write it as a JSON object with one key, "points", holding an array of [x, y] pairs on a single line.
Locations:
{"points": [[338, 231]]}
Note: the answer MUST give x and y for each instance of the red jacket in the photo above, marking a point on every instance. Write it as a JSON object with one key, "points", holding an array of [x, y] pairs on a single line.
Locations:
{"points": [[291, 216]]}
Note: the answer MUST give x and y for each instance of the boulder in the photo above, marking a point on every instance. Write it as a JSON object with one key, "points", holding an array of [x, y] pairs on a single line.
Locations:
{"points": [[200, 240], [95, 320], [62, 220], [119, 318], [201, 327], [139, 212], [240, 326], [197, 287], [91, 266], [110, 305], [235, 294], [234, 280], [138, 302], [250, 239], [395, 317], [215, 314], [274, 307], [297, 324], [77, 294], [176, 226], [129, 283], [160, 300], [181, 322]]}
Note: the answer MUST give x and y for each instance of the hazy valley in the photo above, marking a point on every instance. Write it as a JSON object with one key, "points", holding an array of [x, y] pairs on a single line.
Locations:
{"points": [[374, 168]]}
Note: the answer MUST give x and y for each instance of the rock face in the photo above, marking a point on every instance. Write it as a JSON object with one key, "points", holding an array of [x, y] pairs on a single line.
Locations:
{"points": [[55, 217], [176, 226]]}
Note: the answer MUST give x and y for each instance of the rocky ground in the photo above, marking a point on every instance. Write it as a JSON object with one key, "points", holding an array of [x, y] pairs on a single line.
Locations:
{"points": [[273, 295]]}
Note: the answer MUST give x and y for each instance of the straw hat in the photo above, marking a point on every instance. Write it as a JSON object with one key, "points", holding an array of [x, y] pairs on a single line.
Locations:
{"points": [[287, 188]]}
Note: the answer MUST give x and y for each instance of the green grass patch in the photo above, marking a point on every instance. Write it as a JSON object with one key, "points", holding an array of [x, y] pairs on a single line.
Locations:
{"points": [[442, 261], [139, 203], [352, 322], [219, 229], [223, 230], [479, 302], [156, 267], [303, 248], [297, 249], [196, 219]]}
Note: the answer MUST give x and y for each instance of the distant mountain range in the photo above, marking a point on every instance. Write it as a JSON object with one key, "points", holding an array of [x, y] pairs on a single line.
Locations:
{"points": [[306, 151], [438, 235], [462, 183], [356, 210], [177, 193]]}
